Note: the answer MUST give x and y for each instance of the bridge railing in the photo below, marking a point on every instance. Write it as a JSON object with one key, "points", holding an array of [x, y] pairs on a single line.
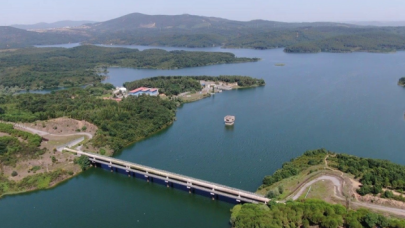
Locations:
{"points": [[164, 173]]}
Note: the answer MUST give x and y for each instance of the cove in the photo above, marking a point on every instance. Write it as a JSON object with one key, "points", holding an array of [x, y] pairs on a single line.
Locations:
{"points": [[346, 103]]}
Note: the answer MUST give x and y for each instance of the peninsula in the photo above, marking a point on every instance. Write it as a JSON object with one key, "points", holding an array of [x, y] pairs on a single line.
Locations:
{"points": [[341, 190], [41, 68]]}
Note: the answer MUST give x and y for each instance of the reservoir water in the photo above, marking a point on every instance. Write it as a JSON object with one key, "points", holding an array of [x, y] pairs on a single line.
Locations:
{"points": [[346, 103]]}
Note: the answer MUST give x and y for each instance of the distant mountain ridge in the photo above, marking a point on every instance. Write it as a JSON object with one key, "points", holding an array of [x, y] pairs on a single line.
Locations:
{"points": [[201, 31], [11, 37], [192, 22], [58, 24], [378, 23]]}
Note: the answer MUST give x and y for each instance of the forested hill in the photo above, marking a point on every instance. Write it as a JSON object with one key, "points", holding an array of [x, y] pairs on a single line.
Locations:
{"points": [[136, 21], [198, 31], [119, 123], [371, 42], [38, 68], [58, 24], [18, 38]]}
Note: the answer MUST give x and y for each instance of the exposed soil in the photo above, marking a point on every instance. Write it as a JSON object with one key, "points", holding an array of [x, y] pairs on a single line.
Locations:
{"points": [[56, 132], [63, 125], [345, 188]]}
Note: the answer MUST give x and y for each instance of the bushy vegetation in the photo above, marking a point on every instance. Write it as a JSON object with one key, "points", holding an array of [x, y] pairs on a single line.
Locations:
{"points": [[38, 68], [119, 123], [83, 162], [305, 214], [32, 182], [32, 139], [173, 85], [20, 145], [296, 165], [374, 174]]}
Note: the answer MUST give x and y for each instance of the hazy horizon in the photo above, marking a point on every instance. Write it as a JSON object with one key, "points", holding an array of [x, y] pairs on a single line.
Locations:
{"points": [[29, 12]]}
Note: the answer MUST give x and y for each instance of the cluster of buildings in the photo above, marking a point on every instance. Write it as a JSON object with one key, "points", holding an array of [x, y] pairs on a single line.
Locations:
{"points": [[121, 92], [144, 90]]}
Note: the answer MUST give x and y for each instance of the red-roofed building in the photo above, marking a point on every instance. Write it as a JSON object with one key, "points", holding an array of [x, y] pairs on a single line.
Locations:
{"points": [[144, 90]]}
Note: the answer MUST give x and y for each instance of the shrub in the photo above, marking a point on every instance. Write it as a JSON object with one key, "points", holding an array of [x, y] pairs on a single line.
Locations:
{"points": [[82, 161], [14, 173]]}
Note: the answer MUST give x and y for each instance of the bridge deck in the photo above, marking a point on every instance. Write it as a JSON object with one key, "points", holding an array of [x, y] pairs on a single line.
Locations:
{"points": [[173, 177]]}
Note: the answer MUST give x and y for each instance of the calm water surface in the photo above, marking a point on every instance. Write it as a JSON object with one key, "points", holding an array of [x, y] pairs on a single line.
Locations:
{"points": [[343, 102]]}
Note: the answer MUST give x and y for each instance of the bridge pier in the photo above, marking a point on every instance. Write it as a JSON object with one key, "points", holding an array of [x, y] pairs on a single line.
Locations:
{"points": [[177, 181]]}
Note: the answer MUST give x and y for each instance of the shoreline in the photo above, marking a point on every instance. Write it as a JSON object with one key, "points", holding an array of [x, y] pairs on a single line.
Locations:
{"points": [[164, 127]]}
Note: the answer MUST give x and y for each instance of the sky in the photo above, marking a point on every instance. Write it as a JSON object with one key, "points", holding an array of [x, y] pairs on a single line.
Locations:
{"points": [[35, 11]]}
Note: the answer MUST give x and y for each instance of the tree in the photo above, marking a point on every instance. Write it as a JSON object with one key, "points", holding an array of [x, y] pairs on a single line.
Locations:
{"points": [[14, 173], [3, 147], [371, 220], [281, 189], [83, 162]]}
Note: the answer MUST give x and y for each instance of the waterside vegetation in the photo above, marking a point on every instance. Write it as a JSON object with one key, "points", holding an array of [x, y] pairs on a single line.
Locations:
{"points": [[373, 174], [119, 124], [174, 85], [39, 68], [307, 213]]}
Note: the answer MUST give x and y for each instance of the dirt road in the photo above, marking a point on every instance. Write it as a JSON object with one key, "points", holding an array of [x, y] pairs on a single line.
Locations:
{"points": [[43, 133], [338, 183]]}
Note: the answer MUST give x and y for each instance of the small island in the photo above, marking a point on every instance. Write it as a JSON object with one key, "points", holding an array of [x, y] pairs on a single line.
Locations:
{"points": [[401, 81], [327, 189]]}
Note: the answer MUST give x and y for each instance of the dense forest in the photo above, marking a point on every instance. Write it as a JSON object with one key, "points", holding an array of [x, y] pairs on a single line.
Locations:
{"points": [[174, 85], [198, 31], [119, 123], [307, 213], [39, 68], [371, 42], [374, 174]]}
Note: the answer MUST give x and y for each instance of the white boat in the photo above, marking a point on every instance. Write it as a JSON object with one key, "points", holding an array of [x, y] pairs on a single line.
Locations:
{"points": [[229, 120]]}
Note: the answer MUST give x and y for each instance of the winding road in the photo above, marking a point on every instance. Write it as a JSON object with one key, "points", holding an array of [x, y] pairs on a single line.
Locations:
{"points": [[338, 183], [43, 133]]}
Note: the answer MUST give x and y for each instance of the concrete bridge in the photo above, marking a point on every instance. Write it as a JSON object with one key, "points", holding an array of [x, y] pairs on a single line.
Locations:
{"points": [[173, 180]]}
